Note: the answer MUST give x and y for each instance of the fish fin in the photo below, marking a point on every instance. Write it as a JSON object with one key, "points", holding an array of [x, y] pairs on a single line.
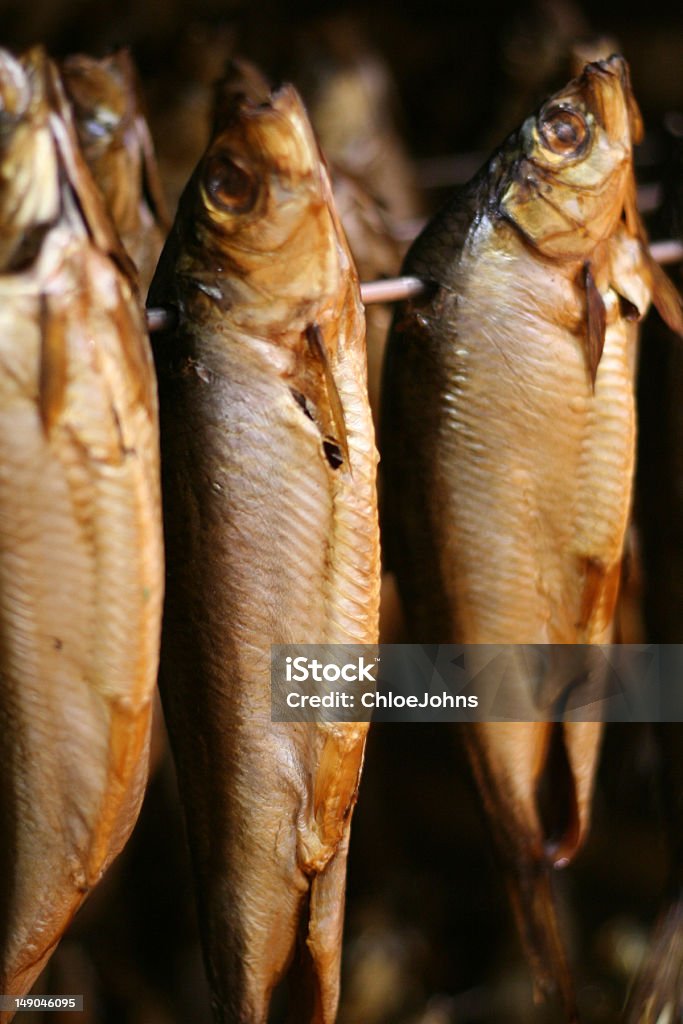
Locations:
{"points": [[508, 761], [599, 596], [325, 406], [315, 981], [151, 179], [666, 298], [337, 779], [596, 322], [52, 378], [635, 118], [315, 978]]}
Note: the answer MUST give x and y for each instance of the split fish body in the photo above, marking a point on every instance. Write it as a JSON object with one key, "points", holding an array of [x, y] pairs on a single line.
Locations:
{"points": [[508, 445], [81, 569], [269, 466]]}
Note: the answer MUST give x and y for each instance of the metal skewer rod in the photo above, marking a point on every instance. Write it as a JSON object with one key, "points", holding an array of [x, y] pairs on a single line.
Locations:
{"points": [[666, 252], [394, 289]]}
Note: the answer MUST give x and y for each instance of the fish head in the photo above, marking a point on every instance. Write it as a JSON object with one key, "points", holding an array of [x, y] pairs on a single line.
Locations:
{"points": [[241, 80], [44, 181], [102, 99], [572, 172], [257, 214], [106, 103], [29, 187]]}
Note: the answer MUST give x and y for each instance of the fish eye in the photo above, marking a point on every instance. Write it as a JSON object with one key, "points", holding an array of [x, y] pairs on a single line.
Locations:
{"points": [[94, 128], [230, 187], [102, 122], [562, 130]]}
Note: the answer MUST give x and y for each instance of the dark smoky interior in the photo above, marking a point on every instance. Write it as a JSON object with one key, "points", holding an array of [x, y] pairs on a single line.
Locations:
{"points": [[429, 935]]}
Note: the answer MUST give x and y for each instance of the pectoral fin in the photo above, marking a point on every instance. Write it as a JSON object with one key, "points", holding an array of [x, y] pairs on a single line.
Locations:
{"points": [[665, 296], [53, 366], [667, 299], [316, 392], [596, 320]]}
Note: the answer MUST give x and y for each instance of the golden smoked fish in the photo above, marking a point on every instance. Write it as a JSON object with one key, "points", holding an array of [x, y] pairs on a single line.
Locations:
{"points": [[268, 468], [508, 446], [106, 99], [81, 573]]}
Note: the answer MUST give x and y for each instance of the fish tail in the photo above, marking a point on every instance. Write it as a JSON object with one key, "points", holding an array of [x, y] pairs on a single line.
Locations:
{"points": [[507, 783], [315, 988], [533, 904], [249, 939]]}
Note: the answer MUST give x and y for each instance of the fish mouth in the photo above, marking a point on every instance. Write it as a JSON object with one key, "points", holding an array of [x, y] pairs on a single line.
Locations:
{"points": [[608, 84], [99, 95], [261, 176], [275, 124]]}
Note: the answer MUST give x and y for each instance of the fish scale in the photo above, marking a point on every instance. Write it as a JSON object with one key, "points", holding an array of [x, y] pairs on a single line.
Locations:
{"points": [[599, 486]]}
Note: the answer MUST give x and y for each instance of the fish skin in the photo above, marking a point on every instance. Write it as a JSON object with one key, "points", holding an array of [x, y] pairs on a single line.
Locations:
{"points": [[508, 445], [106, 99], [81, 565], [269, 540]]}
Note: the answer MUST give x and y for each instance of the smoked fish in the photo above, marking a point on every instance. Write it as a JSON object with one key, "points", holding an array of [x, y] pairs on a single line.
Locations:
{"points": [[106, 99], [81, 565], [268, 471], [507, 443]]}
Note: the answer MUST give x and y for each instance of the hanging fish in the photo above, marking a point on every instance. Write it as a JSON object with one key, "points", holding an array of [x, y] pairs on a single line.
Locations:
{"points": [[106, 99], [81, 572], [269, 465], [508, 446], [353, 103]]}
